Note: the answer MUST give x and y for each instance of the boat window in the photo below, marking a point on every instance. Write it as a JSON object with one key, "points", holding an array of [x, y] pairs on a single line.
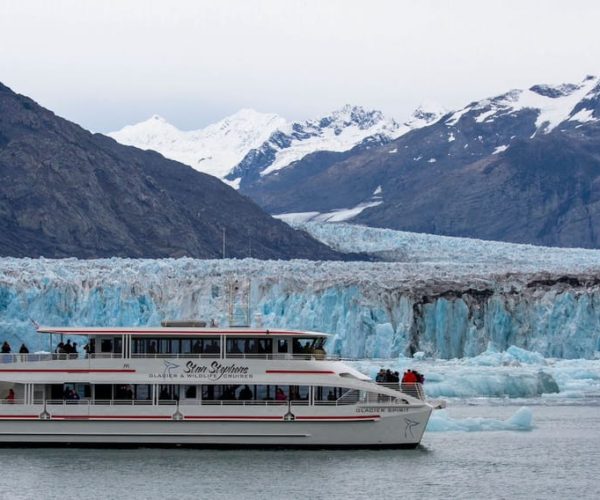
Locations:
{"points": [[186, 346], [190, 391], [106, 345], [142, 392], [282, 345], [250, 346], [168, 393], [103, 392], [233, 347], [123, 391]]}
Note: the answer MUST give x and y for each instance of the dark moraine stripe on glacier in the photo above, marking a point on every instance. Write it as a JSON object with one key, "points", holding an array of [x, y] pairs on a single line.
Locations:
{"points": [[374, 309]]}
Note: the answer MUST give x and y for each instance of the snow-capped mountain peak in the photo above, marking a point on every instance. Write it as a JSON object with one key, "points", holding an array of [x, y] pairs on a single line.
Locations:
{"points": [[213, 149], [553, 104], [427, 113], [349, 115]]}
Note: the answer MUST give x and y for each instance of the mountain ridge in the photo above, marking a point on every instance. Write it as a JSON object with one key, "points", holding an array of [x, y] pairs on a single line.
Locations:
{"points": [[465, 173], [65, 192]]}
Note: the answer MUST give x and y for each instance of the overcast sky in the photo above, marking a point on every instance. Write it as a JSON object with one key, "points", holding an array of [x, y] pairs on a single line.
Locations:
{"points": [[105, 64]]}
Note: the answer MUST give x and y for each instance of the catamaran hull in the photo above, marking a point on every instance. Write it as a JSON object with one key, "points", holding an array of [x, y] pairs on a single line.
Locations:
{"points": [[403, 430]]}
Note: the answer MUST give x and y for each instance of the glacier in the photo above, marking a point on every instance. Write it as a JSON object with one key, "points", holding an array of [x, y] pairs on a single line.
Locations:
{"points": [[478, 308]]}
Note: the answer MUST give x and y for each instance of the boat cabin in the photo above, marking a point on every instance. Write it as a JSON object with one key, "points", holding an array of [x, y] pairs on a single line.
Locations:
{"points": [[188, 342]]}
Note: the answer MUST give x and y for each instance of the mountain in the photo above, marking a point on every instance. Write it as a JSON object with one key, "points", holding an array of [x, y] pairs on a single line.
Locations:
{"points": [[249, 144], [213, 150], [347, 128], [66, 192], [521, 167]]}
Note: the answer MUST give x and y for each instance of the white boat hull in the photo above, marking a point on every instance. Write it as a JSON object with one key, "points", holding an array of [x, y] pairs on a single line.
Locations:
{"points": [[397, 430]]}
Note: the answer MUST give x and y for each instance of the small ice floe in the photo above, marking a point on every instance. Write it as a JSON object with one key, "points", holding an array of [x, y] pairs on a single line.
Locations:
{"points": [[440, 421]]}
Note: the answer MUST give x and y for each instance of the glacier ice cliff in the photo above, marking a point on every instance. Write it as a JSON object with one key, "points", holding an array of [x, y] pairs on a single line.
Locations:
{"points": [[452, 309]]}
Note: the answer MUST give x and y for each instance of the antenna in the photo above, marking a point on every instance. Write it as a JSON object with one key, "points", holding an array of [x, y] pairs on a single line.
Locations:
{"points": [[223, 242]]}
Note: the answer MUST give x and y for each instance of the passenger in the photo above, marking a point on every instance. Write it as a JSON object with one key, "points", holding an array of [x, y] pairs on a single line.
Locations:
{"points": [[380, 378], [86, 349], [23, 351], [68, 347], [6, 348], [280, 395], [60, 348], [74, 349], [196, 347], [10, 397], [245, 394]]}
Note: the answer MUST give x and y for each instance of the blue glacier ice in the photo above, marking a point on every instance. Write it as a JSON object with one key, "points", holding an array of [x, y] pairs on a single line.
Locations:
{"points": [[444, 298], [440, 421]]}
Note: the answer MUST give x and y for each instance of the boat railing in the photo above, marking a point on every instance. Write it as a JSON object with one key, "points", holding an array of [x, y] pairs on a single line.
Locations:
{"points": [[413, 389], [186, 402], [53, 356]]}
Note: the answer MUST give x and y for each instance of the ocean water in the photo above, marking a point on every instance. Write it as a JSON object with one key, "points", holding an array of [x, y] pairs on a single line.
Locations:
{"points": [[558, 457]]}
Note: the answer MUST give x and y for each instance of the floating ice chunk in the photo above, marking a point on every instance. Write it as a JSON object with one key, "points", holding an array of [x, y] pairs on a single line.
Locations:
{"points": [[500, 149], [440, 421], [524, 356]]}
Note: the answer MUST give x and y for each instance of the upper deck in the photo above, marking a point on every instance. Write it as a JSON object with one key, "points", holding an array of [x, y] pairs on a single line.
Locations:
{"points": [[175, 331], [178, 341]]}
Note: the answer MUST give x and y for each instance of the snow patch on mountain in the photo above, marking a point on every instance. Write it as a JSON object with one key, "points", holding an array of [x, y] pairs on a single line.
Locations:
{"points": [[340, 131], [214, 149], [338, 215], [554, 104]]}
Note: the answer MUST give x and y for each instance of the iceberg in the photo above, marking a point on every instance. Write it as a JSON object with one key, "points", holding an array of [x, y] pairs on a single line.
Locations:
{"points": [[440, 421], [500, 376]]}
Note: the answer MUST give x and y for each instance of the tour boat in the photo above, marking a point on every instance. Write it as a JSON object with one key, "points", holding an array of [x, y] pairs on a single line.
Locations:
{"points": [[187, 384]]}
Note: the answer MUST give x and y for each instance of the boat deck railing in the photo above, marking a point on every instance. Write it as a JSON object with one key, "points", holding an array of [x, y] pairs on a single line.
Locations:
{"points": [[27, 358], [411, 388], [184, 403]]}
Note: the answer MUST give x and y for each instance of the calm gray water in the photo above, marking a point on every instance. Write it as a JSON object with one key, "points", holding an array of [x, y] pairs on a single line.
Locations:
{"points": [[559, 458]]}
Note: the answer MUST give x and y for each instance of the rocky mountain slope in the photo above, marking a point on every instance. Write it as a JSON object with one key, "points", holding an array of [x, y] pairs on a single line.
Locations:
{"points": [[66, 192], [520, 167]]}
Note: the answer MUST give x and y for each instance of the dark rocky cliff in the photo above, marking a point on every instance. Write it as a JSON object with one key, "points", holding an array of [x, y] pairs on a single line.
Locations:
{"points": [[65, 192]]}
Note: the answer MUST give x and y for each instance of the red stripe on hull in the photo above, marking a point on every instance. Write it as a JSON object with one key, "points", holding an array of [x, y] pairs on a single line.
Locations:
{"points": [[55, 370], [303, 372], [208, 417]]}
